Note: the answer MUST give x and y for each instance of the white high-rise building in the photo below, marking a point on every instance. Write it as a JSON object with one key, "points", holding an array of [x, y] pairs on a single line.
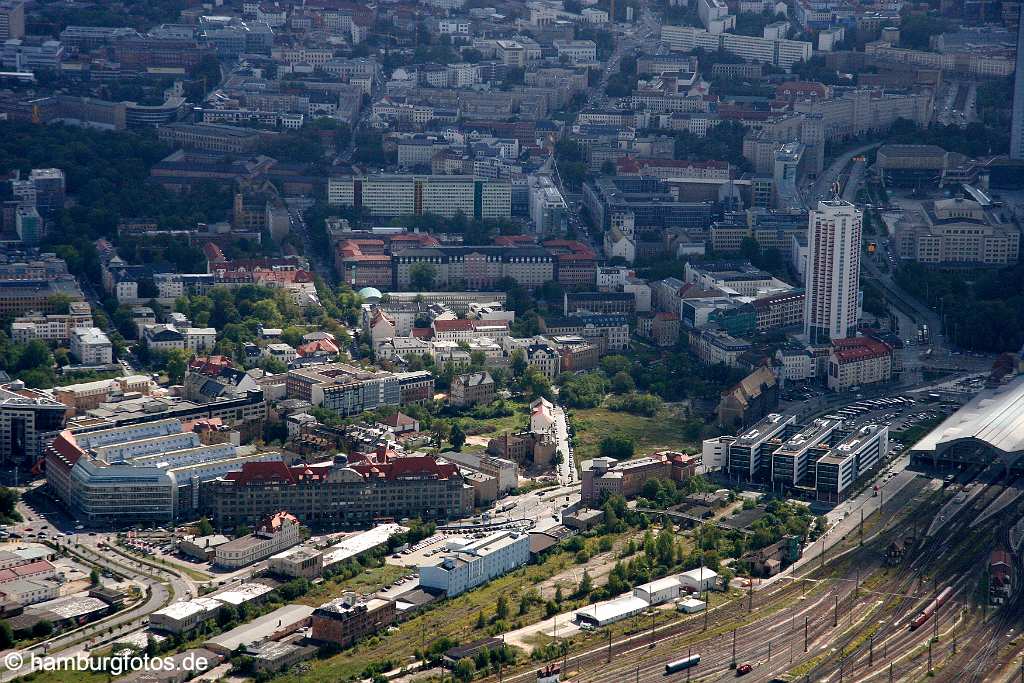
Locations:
{"points": [[1017, 124], [833, 271]]}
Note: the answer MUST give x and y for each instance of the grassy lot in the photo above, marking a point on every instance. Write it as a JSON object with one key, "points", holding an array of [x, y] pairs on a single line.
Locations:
{"points": [[66, 677], [455, 619], [662, 432], [369, 581]]}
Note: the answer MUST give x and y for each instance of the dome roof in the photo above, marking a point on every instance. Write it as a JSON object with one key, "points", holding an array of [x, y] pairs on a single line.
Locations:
{"points": [[369, 293]]}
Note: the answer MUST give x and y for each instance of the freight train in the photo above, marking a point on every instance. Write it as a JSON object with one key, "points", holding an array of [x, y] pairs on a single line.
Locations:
{"points": [[926, 614]]}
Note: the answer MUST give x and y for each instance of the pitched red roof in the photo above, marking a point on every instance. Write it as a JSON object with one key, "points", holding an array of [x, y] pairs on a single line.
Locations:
{"points": [[855, 349], [319, 345], [453, 325]]}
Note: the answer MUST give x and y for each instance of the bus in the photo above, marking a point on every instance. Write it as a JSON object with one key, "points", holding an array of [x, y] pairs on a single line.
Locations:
{"points": [[682, 664]]}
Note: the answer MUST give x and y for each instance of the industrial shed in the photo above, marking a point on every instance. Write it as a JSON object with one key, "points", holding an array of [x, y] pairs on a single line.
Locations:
{"points": [[658, 591], [608, 612]]}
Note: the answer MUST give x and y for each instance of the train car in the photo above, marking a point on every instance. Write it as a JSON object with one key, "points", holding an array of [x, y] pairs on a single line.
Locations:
{"points": [[926, 614], [552, 673], [682, 664]]}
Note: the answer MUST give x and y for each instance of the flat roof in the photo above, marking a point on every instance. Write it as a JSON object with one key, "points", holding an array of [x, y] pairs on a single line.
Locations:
{"points": [[262, 628]]}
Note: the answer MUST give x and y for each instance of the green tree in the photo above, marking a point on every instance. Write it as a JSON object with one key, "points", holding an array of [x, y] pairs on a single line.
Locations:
{"points": [[177, 363], [586, 584], [502, 607], [204, 527], [421, 276], [94, 577], [481, 620], [619, 446], [465, 669], [457, 437], [6, 635], [518, 362]]}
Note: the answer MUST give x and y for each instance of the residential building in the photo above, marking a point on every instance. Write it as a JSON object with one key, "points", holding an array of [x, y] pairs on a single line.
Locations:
{"points": [[471, 389], [345, 389], [780, 311], [471, 562], [713, 346], [609, 332], [576, 51], [782, 53], [55, 327], [832, 286], [277, 532], [548, 209], [347, 619], [341, 493], [91, 346], [1017, 121], [858, 361]]}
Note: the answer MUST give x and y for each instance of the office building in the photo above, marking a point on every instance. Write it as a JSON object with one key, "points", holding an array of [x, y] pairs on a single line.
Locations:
{"points": [[211, 137], [854, 456], [50, 189], [29, 225], [791, 462], [833, 271], [548, 209], [29, 419], [959, 231], [1017, 123], [12, 19], [341, 492], [21, 296], [415, 195], [142, 473], [748, 455], [475, 267], [472, 562]]}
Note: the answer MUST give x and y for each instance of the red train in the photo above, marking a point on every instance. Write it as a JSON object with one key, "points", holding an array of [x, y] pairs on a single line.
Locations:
{"points": [[926, 614]]}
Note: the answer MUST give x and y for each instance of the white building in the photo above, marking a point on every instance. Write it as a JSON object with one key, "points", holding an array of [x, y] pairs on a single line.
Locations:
{"points": [[601, 614], [278, 532], [91, 346], [698, 580], [183, 616], [577, 51], [548, 208], [199, 339], [471, 563], [53, 327], [832, 282], [659, 591]]}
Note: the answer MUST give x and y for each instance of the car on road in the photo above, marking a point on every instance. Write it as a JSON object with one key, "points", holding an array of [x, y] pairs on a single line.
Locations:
{"points": [[744, 669]]}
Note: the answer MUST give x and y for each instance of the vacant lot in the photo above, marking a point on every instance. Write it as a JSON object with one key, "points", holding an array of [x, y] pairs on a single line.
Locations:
{"points": [[661, 432]]}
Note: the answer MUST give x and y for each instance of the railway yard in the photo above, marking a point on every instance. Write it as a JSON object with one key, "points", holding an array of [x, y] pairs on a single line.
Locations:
{"points": [[904, 599]]}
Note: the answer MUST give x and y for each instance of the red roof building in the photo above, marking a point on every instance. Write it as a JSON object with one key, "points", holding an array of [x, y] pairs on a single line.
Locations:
{"points": [[856, 361]]}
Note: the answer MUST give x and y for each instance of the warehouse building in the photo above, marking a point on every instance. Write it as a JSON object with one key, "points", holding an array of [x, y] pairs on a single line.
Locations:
{"points": [[602, 614], [471, 563]]}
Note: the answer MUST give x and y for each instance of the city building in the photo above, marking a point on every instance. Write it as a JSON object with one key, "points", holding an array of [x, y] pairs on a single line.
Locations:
{"points": [[832, 285], [713, 346], [471, 562], [470, 389], [277, 532], [29, 419], [854, 456], [55, 327], [548, 209], [141, 473], [475, 267], [602, 476], [414, 195], [345, 620], [1017, 121], [12, 19], [91, 346], [505, 472], [341, 493], [747, 456], [750, 400], [858, 361], [959, 231]]}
